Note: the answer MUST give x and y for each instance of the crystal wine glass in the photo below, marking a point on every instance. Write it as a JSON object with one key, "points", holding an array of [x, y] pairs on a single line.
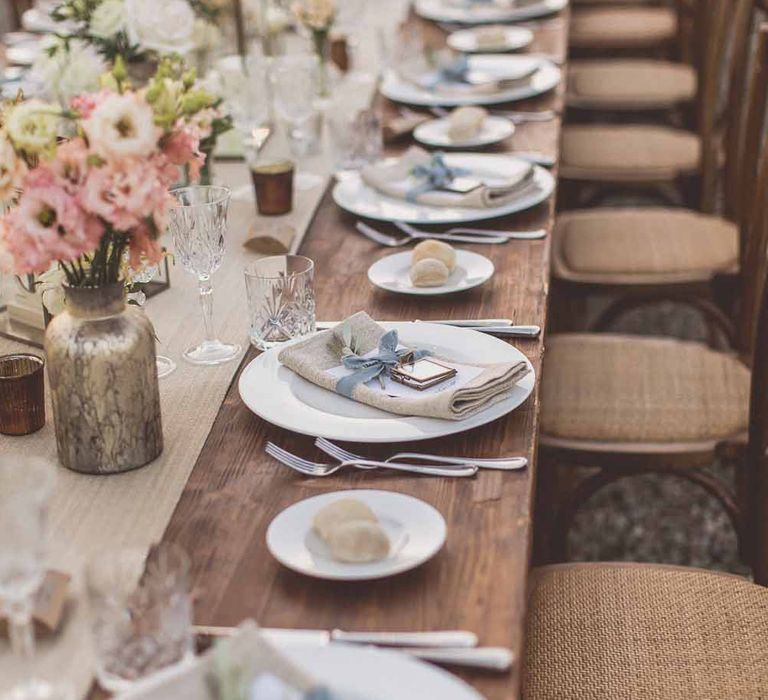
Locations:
{"points": [[294, 83], [25, 488], [146, 273], [198, 223]]}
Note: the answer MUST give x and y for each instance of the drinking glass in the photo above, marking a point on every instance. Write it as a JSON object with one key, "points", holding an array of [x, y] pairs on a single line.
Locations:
{"points": [[22, 395], [146, 273], [294, 81], [356, 139], [281, 299], [246, 94], [140, 613], [25, 488], [198, 223]]}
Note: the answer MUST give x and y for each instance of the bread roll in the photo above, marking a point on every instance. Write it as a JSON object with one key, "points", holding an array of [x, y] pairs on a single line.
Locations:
{"points": [[358, 541], [341, 511], [466, 122], [429, 273], [492, 35], [437, 250]]}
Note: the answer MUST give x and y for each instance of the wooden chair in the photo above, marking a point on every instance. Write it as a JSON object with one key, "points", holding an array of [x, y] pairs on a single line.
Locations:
{"points": [[680, 165], [638, 84], [645, 632], [642, 631], [641, 255], [626, 28], [629, 405]]}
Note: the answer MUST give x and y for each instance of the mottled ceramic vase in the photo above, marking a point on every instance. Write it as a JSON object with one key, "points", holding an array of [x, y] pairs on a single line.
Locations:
{"points": [[101, 370]]}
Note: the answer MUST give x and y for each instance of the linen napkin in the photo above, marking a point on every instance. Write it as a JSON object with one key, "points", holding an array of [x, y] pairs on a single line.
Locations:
{"points": [[243, 667], [316, 358], [396, 179], [454, 76]]}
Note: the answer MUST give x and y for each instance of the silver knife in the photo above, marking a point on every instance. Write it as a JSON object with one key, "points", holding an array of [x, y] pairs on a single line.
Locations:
{"points": [[458, 322], [452, 639], [489, 658]]}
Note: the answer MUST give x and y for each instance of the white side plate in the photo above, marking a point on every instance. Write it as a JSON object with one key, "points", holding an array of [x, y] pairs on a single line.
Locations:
{"points": [[435, 133], [515, 38]]}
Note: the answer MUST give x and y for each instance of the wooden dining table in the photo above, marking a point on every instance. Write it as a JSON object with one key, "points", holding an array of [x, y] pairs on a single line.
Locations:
{"points": [[478, 581]]}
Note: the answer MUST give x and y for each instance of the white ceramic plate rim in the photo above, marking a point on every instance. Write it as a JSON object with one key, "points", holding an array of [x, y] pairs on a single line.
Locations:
{"points": [[496, 130], [354, 196], [368, 672], [546, 78], [515, 38], [264, 389], [436, 10], [464, 258], [286, 535]]}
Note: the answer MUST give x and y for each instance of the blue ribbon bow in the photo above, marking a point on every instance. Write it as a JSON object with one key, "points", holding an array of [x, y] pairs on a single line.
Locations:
{"points": [[379, 365], [454, 71], [437, 175]]}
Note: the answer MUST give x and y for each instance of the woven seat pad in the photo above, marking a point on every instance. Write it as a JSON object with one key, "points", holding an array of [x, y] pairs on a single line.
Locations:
{"points": [[629, 388], [644, 632], [648, 242], [628, 153], [622, 27], [630, 84]]}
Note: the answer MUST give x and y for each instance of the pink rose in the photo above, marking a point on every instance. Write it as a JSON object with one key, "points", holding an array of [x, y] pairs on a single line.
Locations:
{"points": [[48, 224], [71, 164], [182, 148]]}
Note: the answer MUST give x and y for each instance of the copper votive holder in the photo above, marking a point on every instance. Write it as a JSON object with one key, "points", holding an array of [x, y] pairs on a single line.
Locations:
{"points": [[22, 399], [273, 183]]}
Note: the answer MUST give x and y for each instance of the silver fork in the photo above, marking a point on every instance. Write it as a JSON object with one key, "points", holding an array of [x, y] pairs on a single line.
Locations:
{"points": [[394, 242], [468, 231], [308, 468], [516, 117], [503, 463]]}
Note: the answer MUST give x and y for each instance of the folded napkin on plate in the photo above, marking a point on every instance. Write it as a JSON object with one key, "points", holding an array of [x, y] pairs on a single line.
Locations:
{"points": [[455, 76], [407, 178], [313, 358], [243, 667]]}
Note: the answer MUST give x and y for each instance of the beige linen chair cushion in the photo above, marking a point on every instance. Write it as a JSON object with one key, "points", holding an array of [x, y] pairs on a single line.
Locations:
{"points": [[628, 153], [645, 632], [637, 389], [643, 245], [622, 27], [629, 84]]}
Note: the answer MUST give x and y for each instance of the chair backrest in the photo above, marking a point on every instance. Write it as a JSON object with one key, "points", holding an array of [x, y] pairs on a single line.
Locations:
{"points": [[753, 224], [722, 47], [757, 448]]}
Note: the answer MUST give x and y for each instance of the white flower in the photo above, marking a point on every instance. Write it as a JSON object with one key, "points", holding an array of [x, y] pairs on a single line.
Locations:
{"points": [[108, 19], [122, 126], [12, 170], [70, 71], [51, 290], [32, 126], [166, 26]]}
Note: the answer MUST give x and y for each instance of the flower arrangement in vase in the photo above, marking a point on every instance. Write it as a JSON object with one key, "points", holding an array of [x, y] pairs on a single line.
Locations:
{"points": [[94, 33], [95, 203], [317, 17]]}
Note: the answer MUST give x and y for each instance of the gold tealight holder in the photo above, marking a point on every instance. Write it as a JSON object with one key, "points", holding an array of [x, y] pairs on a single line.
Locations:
{"points": [[273, 184]]}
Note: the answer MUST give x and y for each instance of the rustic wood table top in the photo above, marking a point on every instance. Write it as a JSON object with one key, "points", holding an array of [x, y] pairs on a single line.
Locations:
{"points": [[478, 581]]}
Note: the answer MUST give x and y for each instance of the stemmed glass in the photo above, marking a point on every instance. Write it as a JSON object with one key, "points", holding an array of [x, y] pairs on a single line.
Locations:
{"points": [[294, 84], [146, 273], [198, 223], [25, 488]]}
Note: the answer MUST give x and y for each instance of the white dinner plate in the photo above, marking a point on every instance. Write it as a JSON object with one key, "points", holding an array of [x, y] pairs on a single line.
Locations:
{"points": [[393, 274], [353, 195], [497, 66], [283, 398], [435, 133], [416, 532], [24, 53], [455, 11], [515, 38], [366, 673]]}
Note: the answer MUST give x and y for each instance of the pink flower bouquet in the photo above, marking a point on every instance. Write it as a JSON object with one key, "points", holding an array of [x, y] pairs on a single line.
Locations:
{"points": [[99, 199]]}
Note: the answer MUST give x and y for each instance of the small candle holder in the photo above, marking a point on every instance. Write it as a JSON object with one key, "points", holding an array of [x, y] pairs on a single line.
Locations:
{"points": [[22, 397], [273, 184]]}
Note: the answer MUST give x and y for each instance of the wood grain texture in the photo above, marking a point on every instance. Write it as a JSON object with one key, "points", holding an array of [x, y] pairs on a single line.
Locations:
{"points": [[478, 581]]}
